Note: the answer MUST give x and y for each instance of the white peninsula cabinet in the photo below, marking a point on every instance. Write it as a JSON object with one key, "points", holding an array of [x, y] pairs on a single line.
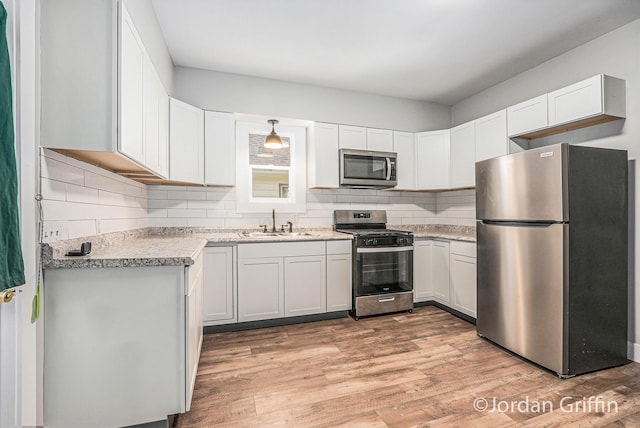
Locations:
{"points": [[220, 291], [339, 276], [186, 142], [121, 345]]}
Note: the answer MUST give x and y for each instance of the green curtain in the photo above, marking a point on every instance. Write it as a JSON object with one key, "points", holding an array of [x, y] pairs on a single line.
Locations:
{"points": [[11, 263]]}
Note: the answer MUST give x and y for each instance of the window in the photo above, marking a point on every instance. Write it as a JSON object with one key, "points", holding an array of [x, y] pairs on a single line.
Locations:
{"points": [[270, 178]]}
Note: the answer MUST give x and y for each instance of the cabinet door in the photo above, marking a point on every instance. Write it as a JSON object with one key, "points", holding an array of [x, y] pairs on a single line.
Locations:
{"points": [[422, 271], [463, 155], [463, 284], [432, 160], [163, 131], [219, 148], [153, 145], [193, 332], [260, 288], [577, 101], [219, 281], [404, 146], [323, 165], [440, 269], [186, 143], [132, 64], [339, 277], [305, 285], [380, 140], [491, 136], [528, 116], [352, 137]]}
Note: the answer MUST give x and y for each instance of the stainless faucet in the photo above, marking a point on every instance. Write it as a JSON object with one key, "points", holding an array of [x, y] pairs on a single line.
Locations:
{"points": [[273, 220]]}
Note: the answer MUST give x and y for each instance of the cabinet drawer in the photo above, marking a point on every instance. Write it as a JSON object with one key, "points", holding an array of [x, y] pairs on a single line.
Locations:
{"points": [[339, 247], [281, 249], [463, 248]]}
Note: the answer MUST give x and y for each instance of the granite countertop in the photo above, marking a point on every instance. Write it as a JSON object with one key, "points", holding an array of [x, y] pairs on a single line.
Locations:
{"points": [[440, 231], [180, 246], [163, 246]]}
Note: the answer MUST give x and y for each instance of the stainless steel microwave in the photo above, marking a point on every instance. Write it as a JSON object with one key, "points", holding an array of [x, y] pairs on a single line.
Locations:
{"points": [[367, 169]]}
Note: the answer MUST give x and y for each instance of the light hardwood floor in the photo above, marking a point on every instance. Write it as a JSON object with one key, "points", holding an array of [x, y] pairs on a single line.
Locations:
{"points": [[423, 369]]}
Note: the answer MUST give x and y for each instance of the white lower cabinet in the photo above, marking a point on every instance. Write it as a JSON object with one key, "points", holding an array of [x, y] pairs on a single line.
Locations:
{"points": [[339, 276], [305, 285], [260, 287], [422, 270], [463, 277], [445, 272], [440, 272], [219, 286]]}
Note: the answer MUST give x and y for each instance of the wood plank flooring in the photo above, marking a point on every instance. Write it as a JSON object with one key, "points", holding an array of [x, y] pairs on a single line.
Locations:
{"points": [[425, 369]]}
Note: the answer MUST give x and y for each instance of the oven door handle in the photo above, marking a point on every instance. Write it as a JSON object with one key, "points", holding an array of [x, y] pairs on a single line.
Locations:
{"points": [[383, 249]]}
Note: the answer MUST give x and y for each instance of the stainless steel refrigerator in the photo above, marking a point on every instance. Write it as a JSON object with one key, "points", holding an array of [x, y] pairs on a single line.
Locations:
{"points": [[552, 256]]}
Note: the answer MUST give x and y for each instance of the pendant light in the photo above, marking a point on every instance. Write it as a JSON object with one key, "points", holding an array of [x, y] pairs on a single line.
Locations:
{"points": [[273, 140]]}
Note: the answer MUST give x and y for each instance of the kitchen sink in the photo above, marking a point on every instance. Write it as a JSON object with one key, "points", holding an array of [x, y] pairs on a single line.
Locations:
{"points": [[272, 234]]}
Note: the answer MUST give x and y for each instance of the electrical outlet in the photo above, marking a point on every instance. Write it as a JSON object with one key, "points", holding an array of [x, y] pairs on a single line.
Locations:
{"points": [[53, 231]]}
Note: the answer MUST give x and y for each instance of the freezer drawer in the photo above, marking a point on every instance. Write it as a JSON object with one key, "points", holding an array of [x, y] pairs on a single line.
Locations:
{"points": [[526, 186], [521, 283]]}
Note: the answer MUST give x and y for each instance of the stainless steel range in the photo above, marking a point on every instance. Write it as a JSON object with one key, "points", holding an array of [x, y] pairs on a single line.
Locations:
{"points": [[382, 263]]}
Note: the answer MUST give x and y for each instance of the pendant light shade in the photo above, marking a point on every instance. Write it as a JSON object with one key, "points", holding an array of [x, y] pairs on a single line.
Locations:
{"points": [[273, 140]]}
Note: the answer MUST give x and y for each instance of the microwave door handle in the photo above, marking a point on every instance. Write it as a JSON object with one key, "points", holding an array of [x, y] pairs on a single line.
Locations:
{"points": [[388, 169]]}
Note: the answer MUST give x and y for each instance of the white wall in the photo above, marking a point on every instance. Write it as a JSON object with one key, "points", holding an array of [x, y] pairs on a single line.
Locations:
{"points": [[146, 22], [244, 94], [617, 54], [83, 200]]}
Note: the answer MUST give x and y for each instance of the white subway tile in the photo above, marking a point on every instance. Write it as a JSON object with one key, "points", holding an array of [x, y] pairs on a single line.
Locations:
{"points": [[157, 212], [60, 171], [167, 222], [166, 203], [156, 194], [186, 213], [82, 194], [205, 222], [53, 190], [185, 195], [53, 155], [205, 204]]}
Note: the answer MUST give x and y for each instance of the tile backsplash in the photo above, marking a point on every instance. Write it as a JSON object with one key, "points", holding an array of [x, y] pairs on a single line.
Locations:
{"points": [[82, 200]]}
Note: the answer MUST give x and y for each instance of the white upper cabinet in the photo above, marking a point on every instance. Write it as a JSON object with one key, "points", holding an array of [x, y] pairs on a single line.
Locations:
{"points": [[352, 137], [598, 95], [219, 148], [359, 138], [463, 155], [132, 91], [404, 146], [322, 157], [186, 143], [432, 160], [491, 136], [528, 116], [156, 122], [380, 140]]}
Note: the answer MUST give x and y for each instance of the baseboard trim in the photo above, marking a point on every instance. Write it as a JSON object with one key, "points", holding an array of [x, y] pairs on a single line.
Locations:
{"points": [[250, 325], [633, 351], [446, 308]]}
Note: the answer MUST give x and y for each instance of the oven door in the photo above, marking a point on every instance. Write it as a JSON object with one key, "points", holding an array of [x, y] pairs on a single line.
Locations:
{"points": [[382, 270]]}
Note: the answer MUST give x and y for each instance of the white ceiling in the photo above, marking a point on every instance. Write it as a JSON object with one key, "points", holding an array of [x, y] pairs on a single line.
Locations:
{"points": [[433, 50]]}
